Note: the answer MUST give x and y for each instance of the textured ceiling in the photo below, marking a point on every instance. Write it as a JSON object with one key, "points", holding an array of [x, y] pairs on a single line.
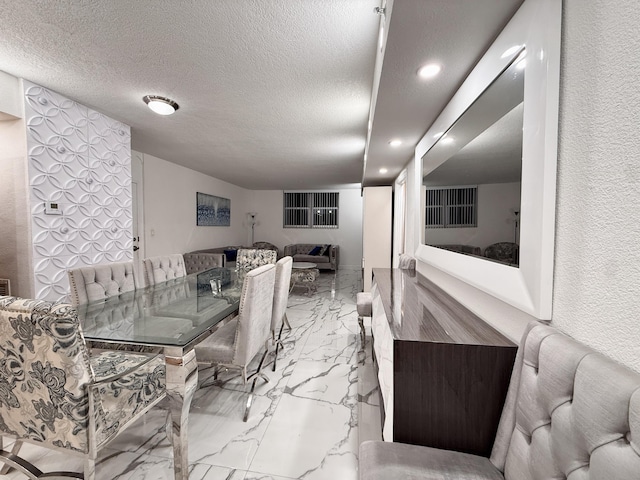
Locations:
{"points": [[273, 94]]}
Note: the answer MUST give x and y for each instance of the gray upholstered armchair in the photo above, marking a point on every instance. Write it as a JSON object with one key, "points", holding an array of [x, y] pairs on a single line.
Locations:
{"points": [[53, 393]]}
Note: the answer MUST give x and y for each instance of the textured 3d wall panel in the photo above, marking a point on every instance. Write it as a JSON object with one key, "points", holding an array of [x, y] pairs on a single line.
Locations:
{"points": [[81, 160]]}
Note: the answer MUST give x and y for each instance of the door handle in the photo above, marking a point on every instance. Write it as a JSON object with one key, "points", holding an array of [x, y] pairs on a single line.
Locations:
{"points": [[136, 248]]}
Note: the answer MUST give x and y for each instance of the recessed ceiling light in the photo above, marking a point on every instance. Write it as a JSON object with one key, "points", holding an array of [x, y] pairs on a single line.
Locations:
{"points": [[429, 71], [395, 142], [160, 105], [383, 170]]}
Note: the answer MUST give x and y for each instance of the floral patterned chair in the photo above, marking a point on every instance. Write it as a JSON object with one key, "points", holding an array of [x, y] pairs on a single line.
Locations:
{"points": [[267, 246], [53, 393], [250, 258]]}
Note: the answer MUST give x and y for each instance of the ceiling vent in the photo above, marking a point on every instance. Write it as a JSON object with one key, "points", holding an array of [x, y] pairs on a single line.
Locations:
{"points": [[5, 286]]}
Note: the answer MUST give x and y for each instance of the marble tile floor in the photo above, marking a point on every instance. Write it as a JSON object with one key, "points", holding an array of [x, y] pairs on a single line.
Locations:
{"points": [[306, 423]]}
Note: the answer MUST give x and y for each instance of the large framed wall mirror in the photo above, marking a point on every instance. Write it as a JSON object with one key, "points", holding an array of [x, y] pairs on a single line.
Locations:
{"points": [[472, 175], [487, 167]]}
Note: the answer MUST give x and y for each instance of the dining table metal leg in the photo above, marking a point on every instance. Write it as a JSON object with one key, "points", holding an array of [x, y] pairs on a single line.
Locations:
{"points": [[182, 381]]}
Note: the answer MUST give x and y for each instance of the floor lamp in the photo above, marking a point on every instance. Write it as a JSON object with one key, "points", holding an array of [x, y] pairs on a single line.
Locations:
{"points": [[251, 216]]}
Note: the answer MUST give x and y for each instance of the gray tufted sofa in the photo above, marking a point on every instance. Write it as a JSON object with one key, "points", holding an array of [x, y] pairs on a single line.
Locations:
{"points": [[196, 262], [300, 253], [570, 413]]}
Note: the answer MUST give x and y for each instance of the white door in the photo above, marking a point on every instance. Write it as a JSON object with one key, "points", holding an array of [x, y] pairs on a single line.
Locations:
{"points": [[137, 196]]}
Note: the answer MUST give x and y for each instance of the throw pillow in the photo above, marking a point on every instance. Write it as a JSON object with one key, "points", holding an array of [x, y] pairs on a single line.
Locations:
{"points": [[315, 250], [325, 250]]}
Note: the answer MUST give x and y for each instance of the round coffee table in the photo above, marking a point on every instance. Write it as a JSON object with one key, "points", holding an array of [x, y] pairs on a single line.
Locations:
{"points": [[304, 274]]}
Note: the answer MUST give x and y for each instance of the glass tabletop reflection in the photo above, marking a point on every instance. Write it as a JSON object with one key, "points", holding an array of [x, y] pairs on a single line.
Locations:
{"points": [[171, 313]]}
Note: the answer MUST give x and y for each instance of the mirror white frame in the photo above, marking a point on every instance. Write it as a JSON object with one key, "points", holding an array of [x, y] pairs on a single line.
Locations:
{"points": [[536, 27]]}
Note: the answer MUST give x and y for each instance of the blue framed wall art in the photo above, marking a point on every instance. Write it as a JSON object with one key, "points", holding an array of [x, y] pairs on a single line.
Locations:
{"points": [[213, 211]]}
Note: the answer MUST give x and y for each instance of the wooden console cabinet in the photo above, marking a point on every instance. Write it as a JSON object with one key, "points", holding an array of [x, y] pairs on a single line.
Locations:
{"points": [[443, 372]]}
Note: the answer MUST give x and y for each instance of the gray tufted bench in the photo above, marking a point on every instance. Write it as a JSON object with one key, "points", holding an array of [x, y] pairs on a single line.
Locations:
{"points": [[570, 413]]}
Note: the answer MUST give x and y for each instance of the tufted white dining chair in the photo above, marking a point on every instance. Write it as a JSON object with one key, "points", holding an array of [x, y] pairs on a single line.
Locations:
{"points": [[236, 343], [280, 299], [58, 395], [163, 268], [98, 282], [364, 300]]}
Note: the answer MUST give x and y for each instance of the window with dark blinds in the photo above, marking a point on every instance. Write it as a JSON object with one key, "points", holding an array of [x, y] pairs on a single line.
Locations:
{"points": [[451, 207], [310, 209]]}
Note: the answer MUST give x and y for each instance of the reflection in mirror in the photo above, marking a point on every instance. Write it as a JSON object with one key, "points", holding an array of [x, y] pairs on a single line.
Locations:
{"points": [[472, 175]]}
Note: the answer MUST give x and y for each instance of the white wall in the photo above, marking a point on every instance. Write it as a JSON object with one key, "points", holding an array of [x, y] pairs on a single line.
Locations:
{"points": [[597, 264], [268, 205], [11, 97], [496, 203], [377, 222], [15, 236], [170, 209]]}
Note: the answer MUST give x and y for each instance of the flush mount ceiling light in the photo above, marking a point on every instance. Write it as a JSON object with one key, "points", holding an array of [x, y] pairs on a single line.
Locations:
{"points": [[160, 105], [395, 143], [383, 170], [429, 71]]}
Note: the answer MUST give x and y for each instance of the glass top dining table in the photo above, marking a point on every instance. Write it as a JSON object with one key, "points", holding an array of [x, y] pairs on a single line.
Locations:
{"points": [[171, 313], [172, 316]]}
